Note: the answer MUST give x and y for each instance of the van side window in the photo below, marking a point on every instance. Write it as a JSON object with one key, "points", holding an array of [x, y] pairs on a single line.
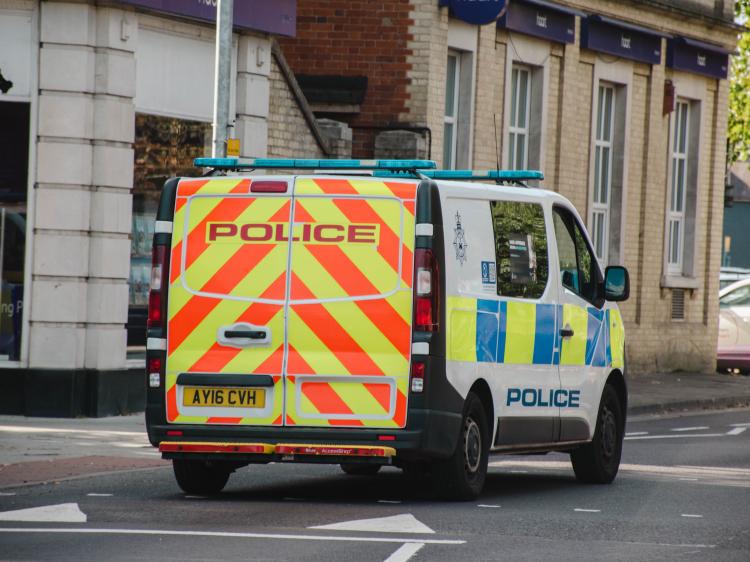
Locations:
{"points": [[520, 249], [579, 271]]}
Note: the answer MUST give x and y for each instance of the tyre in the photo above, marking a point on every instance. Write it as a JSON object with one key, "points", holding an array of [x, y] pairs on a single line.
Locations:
{"points": [[462, 475], [200, 477], [598, 461], [356, 469]]}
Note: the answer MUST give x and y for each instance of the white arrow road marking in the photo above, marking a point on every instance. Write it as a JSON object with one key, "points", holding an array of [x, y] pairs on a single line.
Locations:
{"points": [[405, 552], [61, 513], [736, 430], [405, 523], [167, 532]]}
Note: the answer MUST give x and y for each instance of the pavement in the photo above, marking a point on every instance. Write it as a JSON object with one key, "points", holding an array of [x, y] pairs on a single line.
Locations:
{"points": [[36, 450]]}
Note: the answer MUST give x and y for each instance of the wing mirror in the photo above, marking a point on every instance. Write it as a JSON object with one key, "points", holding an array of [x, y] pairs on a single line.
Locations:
{"points": [[616, 283]]}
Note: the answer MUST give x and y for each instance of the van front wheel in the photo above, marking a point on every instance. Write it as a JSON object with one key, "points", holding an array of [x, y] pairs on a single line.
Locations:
{"points": [[598, 461], [462, 475], [200, 477]]}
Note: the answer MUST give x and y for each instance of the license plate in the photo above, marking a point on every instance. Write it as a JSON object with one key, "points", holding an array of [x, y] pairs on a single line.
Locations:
{"points": [[223, 397]]}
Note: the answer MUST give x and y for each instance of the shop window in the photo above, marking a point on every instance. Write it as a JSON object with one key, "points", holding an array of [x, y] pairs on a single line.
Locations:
{"points": [[520, 249], [14, 163], [164, 147], [683, 186], [457, 114], [608, 153]]}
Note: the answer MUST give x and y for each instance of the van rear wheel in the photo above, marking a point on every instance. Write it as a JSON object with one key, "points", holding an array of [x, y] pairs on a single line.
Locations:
{"points": [[200, 477], [462, 475], [356, 469], [599, 461]]}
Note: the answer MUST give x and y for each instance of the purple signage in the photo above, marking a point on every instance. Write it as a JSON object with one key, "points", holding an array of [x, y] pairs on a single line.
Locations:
{"points": [[621, 39], [278, 17], [478, 12], [540, 19], [698, 57]]}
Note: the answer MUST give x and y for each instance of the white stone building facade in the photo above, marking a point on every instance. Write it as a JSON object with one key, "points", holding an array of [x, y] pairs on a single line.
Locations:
{"points": [[82, 75]]}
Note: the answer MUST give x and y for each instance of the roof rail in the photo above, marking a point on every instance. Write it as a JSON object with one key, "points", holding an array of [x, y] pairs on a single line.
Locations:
{"points": [[313, 164], [500, 176]]}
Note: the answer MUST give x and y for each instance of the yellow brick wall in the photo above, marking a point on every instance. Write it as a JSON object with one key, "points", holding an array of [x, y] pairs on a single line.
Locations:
{"points": [[654, 341]]}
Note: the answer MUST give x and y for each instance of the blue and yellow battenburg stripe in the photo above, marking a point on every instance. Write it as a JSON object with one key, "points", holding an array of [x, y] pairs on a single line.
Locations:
{"points": [[523, 333]]}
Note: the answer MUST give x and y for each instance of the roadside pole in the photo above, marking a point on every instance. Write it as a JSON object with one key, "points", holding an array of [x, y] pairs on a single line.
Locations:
{"points": [[223, 63]]}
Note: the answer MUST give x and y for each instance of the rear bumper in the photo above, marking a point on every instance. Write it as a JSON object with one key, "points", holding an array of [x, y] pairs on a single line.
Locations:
{"points": [[429, 434]]}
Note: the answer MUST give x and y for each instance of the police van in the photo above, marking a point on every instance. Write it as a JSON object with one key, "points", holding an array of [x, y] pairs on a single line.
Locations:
{"points": [[371, 313]]}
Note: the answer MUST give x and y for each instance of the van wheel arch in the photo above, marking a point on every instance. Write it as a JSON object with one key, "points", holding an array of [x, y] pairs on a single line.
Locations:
{"points": [[617, 380], [482, 390]]}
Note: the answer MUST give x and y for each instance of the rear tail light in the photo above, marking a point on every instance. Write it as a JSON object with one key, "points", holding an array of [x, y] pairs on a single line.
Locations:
{"points": [[154, 372], [157, 294], [426, 291], [417, 376]]}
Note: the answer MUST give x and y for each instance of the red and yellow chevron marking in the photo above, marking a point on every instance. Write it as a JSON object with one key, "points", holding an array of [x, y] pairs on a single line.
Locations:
{"points": [[207, 284], [337, 340]]}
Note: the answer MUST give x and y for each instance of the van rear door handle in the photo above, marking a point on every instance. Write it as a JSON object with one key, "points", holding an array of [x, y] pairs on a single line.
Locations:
{"points": [[251, 334], [567, 332], [244, 334]]}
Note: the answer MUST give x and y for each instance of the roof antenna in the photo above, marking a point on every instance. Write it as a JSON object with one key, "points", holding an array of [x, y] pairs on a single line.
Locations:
{"points": [[497, 148]]}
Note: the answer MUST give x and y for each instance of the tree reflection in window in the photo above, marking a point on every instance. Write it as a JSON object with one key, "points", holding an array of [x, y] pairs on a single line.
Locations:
{"points": [[520, 249]]}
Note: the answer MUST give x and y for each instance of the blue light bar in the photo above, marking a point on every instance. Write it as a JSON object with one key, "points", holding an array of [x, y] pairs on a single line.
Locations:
{"points": [[472, 175], [313, 164]]}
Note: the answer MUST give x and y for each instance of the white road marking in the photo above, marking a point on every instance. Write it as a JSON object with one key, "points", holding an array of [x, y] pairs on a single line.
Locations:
{"points": [[7, 493], [679, 436], [634, 433], [691, 479], [404, 523], [739, 425], [691, 515], [735, 431], [587, 510], [195, 497], [726, 476], [60, 513], [95, 495], [99, 432], [519, 471], [487, 505], [697, 428], [166, 532], [389, 501], [674, 545], [405, 552]]}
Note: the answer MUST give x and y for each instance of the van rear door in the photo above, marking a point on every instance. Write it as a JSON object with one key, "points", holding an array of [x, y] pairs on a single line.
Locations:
{"points": [[350, 308], [227, 289]]}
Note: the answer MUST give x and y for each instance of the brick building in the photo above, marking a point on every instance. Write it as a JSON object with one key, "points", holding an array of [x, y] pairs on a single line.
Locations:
{"points": [[623, 105]]}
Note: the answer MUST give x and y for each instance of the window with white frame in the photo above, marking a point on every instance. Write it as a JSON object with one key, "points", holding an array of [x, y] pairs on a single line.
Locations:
{"points": [[518, 129], [603, 153], [450, 120], [608, 171], [682, 187]]}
